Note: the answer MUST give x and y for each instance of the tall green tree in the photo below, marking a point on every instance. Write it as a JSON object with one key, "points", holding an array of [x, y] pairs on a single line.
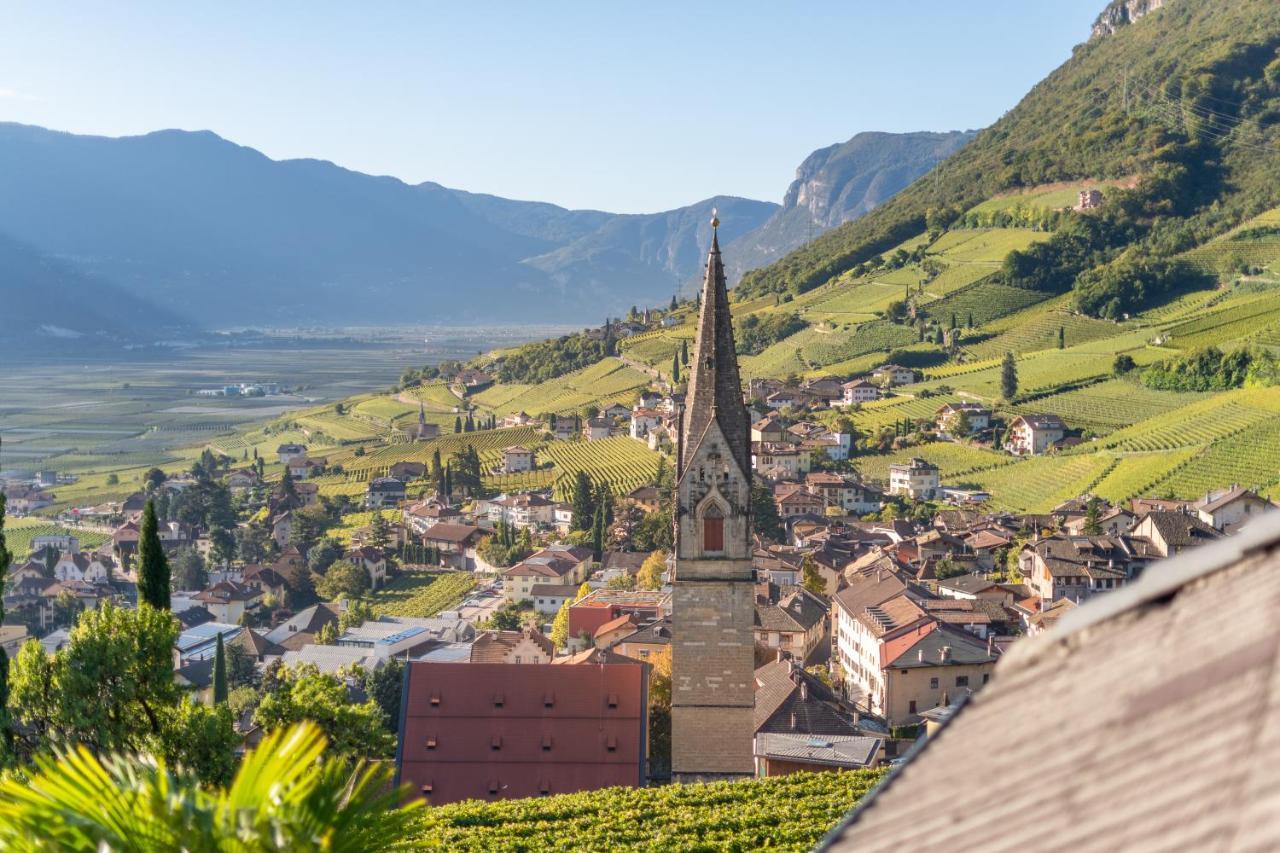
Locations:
{"points": [[583, 506], [1062, 337], [675, 369], [153, 565], [810, 578], [1008, 377], [354, 729], [598, 528], [764, 513], [219, 673]]}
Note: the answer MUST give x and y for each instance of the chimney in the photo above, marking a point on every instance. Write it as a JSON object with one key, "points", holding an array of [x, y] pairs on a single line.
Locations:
{"points": [[920, 654], [781, 656], [945, 654], [991, 643], [804, 691]]}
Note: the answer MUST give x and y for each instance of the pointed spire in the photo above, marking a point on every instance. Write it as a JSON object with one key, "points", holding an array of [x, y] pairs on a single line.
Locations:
{"points": [[715, 390]]}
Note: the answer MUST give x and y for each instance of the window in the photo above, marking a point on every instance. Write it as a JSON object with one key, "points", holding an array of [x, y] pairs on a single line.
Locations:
{"points": [[546, 743], [427, 788], [435, 697], [495, 743], [498, 700], [613, 700], [986, 676], [712, 529], [933, 684], [611, 743], [431, 742], [911, 707], [962, 681], [548, 700]]}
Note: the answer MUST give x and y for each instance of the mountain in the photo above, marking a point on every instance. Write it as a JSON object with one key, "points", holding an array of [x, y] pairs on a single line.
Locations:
{"points": [[46, 299], [838, 184], [222, 234], [1189, 92]]}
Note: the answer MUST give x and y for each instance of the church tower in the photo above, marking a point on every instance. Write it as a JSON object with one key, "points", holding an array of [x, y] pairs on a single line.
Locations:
{"points": [[713, 605]]}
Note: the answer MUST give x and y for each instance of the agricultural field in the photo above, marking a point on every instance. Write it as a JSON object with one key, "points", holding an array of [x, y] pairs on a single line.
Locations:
{"points": [[870, 418], [1108, 406], [984, 302], [984, 245], [1136, 475], [953, 460], [781, 813], [1200, 423], [620, 461], [1040, 483], [1249, 458], [355, 521], [1035, 328], [1050, 197], [422, 594], [601, 384], [19, 532], [1233, 320]]}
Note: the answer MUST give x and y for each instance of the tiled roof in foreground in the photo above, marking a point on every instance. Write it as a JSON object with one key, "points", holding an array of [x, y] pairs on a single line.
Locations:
{"points": [[1148, 719]]}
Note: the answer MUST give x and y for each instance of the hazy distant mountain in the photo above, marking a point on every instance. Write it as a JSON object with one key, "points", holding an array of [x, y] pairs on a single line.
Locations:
{"points": [[44, 301], [838, 184], [222, 234]]}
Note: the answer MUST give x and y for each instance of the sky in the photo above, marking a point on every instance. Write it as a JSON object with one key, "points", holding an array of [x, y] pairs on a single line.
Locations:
{"points": [[626, 107]]}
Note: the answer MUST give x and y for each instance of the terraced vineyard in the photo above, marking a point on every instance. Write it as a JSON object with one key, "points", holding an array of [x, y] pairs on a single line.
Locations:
{"points": [[1248, 458], [874, 416], [1136, 475], [780, 813], [622, 462], [953, 460], [984, 245], [601, 384], [1109, 406], [422, 594], [985, 302], [1040, 483], [1035, 329], [1199, 424], [1235, 320], [19, 532]]}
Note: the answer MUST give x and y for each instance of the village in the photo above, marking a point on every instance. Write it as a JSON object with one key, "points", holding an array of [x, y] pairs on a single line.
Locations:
{"points": [[876, 607]]}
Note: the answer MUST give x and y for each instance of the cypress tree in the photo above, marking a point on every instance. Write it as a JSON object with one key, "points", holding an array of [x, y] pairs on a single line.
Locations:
{"points": [[582, 503], [953, 320], [219, 673], [1008, 377], [597, 535], [675, 369], [674, 304], [1062, 337], [153, 566], [684, 352], [970, 323], [457, 424]]}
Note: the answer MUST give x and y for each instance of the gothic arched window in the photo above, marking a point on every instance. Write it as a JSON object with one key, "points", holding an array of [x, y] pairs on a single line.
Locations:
{"points": [[712, 529]]}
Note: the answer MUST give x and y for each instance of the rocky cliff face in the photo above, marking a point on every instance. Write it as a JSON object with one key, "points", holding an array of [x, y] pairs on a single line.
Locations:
{"points": [[1121, 13], [837, 184]]}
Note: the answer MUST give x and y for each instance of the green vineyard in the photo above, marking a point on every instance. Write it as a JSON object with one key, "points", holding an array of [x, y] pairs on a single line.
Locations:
{"points": [[782, 813], [622, 462], [422, 594]]}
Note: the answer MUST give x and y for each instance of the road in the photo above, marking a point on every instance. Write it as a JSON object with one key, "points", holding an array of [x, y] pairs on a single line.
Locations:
{"points": [[477, 608]]}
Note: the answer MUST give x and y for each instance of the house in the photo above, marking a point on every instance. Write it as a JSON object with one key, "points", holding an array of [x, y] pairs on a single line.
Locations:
{"points": [[927, 663], [472, 380], [1079, 567], [200, 642], [516, 458], [1136, 686], [789, 398], [523, 510], [1090, 199], [971, 587], [596, 428], [83, 567], [384, 492], [793, 499], [68, 542], [301, 628], [330, 659], [302, 467], [565, 428], [227, 602], [893, 374], [643, 420], [860, 391], [11, 639], [549, 598], [526, 646], [456, 543], [646, 498], [1229, 509], [826, 388], [286, 453], [406, 471], [916, 479], [647, 641], [372, 561], [769, 430], [605, 605], [792, 621], [843, 492], [421, 516], [557, 564], [242, 479], [616, 410], [976, 415], [266, 579], [873, 609], [1170, 533], [282, 528], [1030, 435], [488, 731], [608, 634], [780, 461]]}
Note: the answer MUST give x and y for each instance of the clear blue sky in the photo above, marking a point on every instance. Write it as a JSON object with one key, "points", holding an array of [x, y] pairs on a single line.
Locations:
{"points": [[627, 107]]}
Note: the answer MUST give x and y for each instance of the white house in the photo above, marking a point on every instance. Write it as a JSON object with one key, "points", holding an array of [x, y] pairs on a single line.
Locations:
{"points": [[979, 417], [516, 459], [1030, 435], [893, 374], [916, 478], [860, 391], [643, 420]]}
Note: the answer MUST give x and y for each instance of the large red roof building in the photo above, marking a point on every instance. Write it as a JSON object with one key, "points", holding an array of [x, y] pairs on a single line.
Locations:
{"points": [[498, 731]]}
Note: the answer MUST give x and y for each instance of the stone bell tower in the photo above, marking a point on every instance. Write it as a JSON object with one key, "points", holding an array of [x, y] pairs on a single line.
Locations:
{"points": [[713, 605]]}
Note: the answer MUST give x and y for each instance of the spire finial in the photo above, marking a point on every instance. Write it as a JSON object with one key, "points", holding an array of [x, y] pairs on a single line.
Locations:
{"points": [[715, 219]]}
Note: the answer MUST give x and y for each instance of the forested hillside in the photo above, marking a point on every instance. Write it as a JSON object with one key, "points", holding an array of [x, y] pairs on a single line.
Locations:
{"points": [[1188, 96]]}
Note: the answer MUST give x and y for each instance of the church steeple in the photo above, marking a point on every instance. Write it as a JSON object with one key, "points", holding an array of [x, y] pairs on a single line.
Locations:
{"points": [[715, 389]]}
